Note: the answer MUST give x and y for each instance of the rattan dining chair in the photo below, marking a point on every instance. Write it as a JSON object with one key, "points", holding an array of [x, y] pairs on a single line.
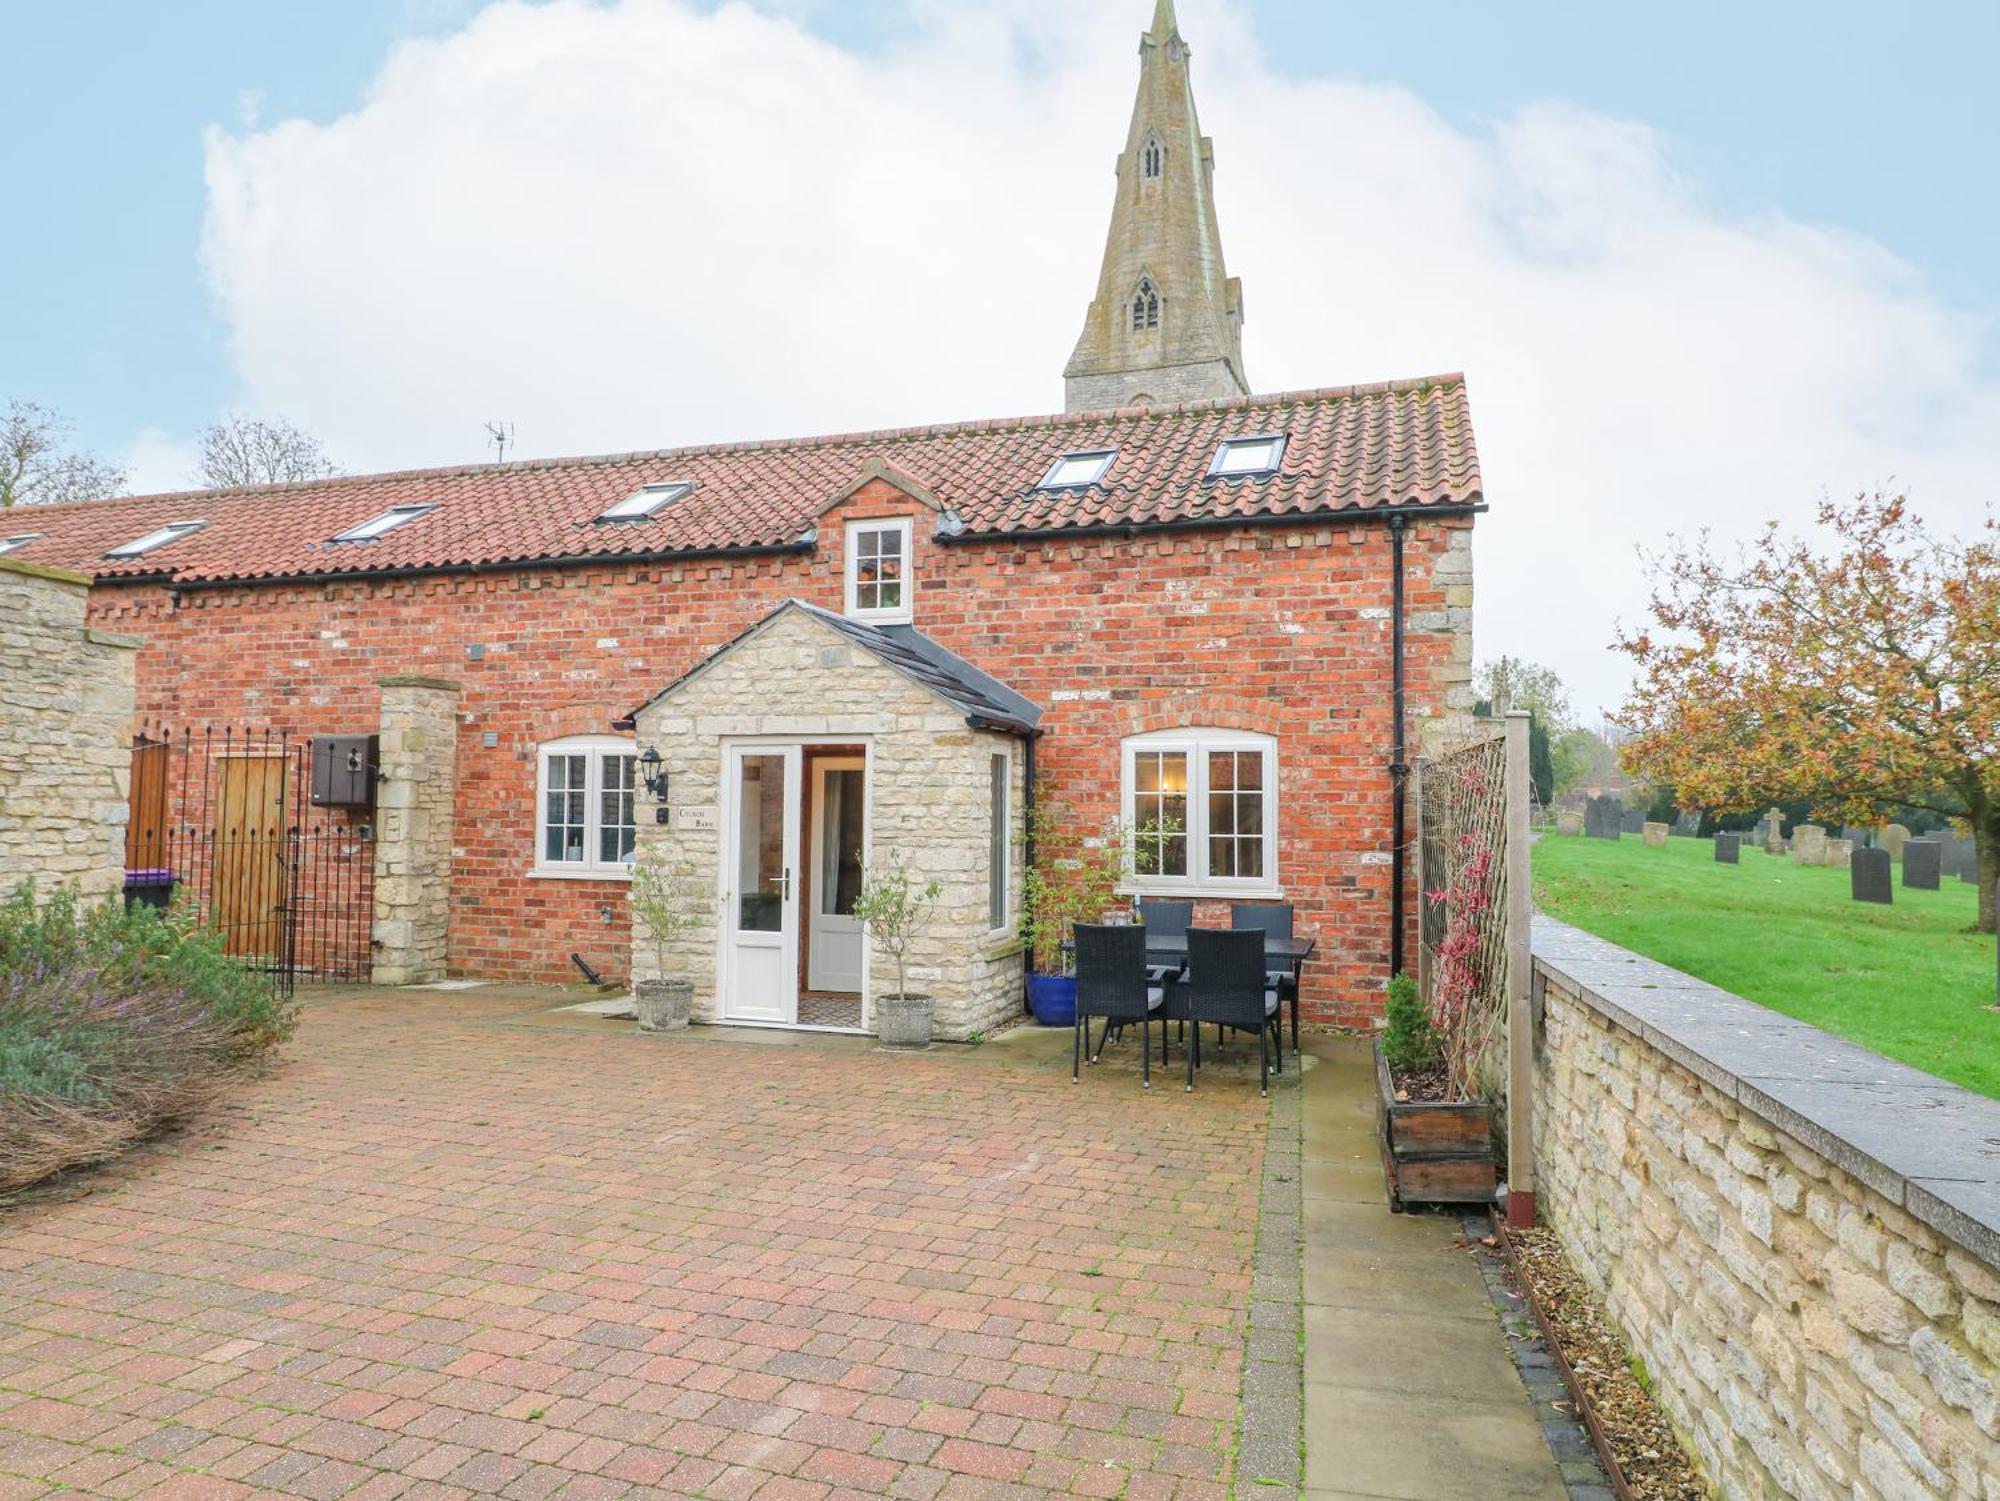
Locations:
{"points": [[1226, 988], [1274, 919], [1111, 983]]}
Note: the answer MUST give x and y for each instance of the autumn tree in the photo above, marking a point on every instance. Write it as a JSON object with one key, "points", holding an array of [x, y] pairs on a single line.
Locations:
{"points": [[37, 466], [252, 451], [1858, 669]]}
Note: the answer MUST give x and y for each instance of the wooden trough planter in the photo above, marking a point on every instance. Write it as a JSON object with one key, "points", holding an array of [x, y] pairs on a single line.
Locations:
{"points": [[1434, 1153]]}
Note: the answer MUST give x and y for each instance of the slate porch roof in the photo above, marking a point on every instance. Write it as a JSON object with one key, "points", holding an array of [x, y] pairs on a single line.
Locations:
{"points": [[985, 699], [1351, 448]]}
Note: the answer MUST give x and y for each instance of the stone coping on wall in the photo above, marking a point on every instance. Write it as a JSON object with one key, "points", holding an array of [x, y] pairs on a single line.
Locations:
{"points": [[1926, 1145]]}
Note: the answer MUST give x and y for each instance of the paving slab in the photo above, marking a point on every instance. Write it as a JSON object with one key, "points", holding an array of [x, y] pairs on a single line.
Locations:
{"points": [[1410, 1392]]}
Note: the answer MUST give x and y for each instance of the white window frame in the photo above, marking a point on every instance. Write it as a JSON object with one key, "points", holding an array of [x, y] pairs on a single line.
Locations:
{"points": [[594, 749], [18, 541], [154, 540], [1196, 742], [659, 496], [1216, 469], [902, 614], [1105, 457], [1005, 758], [385, 522]]}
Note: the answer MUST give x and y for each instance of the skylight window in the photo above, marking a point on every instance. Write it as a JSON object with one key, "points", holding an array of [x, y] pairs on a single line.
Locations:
{"points": [[388, 521], [1076, 471], [17, 542], [1239, 456], [173, 531], [647, 500]]}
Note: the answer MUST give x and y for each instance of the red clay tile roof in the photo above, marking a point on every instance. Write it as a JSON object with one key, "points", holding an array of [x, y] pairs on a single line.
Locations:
{"points": [[1405, 443]]}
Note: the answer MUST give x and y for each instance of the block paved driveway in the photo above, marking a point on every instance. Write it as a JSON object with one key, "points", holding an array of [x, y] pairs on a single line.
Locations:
{"points": [[450, 1249]]}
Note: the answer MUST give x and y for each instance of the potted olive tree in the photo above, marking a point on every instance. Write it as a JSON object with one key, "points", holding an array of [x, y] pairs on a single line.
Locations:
{"points": [[891, 905], [1075, 878], [667, 905]]}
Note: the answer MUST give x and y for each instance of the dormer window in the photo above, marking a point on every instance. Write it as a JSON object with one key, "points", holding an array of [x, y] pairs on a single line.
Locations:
{"points": [[388, 521], [878, 571], [17, 542], [1153, 158], [1145, 305], [1248, 456], [1078, 471], [173, 531], [647, 501]]}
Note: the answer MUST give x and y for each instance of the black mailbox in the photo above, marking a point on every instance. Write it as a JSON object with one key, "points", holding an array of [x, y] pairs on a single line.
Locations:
{"points": [[343, 770]]}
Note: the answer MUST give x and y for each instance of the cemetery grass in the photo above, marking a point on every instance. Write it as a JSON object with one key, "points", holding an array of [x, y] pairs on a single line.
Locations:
{"points": [[1906, 980]]}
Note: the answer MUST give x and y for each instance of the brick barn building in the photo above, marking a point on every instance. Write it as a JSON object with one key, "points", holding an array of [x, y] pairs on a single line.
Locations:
{"points": [[1176, 604]]}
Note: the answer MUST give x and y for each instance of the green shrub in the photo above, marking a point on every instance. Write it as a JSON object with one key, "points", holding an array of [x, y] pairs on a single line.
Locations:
{"points": [[1410, 1041], [113, 1021]]}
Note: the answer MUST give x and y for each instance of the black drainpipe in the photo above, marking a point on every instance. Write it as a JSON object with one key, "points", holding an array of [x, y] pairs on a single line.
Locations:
{"points": [[1028, 845], [1399, 771]]}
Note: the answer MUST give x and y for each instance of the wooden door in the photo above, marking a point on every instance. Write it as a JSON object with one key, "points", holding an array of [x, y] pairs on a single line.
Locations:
{"points": [[248, 898], [146, 820]]}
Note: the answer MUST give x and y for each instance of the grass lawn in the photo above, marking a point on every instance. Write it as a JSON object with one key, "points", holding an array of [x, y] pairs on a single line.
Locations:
{"points": [[1906, 980]]}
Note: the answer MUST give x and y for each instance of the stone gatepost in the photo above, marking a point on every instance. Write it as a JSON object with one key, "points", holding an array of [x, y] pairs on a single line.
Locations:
{"points": [[65, 736], [415, 788]]}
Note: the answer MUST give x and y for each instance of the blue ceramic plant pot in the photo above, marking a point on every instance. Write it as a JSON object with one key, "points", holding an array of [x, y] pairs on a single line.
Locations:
{"points": [[1053, 999]]}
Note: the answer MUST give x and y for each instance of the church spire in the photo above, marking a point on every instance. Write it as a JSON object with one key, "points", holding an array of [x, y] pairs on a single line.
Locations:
{"points": [[1167, 322]]}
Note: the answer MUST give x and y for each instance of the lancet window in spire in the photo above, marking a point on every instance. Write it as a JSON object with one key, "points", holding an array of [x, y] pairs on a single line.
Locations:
{"points": [[1146, 305], [1153, 158]]}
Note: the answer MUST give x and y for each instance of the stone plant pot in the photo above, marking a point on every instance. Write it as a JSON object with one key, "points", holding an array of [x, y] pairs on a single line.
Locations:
{"points": [[663, 1005], [904, 1021]]}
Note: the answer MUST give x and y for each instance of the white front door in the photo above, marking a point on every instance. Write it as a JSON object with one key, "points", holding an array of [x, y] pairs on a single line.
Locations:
{"points": [[839, 809], [760, 860]]}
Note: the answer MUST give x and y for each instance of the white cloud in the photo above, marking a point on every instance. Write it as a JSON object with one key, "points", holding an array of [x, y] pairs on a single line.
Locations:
{"points": [[156, 461], [637, 225]]}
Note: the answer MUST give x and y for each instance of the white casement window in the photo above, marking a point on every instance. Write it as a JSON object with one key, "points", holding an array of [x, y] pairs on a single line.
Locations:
{"points": [[584, 811], [1202, 808], [878, 571], [999, 841]]}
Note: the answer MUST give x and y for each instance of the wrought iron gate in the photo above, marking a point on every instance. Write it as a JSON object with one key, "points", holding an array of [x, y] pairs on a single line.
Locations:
{"points": [[224, 819]]}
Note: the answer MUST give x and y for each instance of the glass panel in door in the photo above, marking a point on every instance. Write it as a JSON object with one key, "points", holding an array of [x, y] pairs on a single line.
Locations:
{"points": [[761, 876], [840, 842]]}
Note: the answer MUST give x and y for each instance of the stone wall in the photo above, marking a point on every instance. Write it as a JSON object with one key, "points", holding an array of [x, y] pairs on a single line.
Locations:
{"points": [[66, 694], [929, 784], [415, 797], [1800, 1239]]}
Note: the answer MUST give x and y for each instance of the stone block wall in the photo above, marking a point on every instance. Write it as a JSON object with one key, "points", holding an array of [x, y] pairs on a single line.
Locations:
{"points": [[928, 799], [1819, 1318], [66, 695], [415, 796]]}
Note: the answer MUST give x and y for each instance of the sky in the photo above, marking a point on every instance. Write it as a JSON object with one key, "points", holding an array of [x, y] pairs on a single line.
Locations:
{"points": [[1702, 266]]}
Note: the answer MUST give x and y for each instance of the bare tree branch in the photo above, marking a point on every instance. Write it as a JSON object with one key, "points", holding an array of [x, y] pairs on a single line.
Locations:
{"points": [[35, 469]]}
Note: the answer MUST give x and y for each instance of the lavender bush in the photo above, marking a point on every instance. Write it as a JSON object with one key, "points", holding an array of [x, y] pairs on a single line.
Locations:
{"points": [[112, 1022]]}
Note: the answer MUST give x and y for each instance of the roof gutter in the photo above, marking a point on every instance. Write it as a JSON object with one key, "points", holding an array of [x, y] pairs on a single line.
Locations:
{"points": [[1352, 516]]}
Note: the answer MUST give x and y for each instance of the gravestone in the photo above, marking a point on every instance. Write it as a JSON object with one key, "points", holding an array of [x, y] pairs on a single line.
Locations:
{"points": [[1635, 821], [1893, 839], [1726, 846], [1922, 863], [1840, 853], [1969, 874], [1859, 838], [1961, 856], [1772, 833], [1655, 835], [1809, 844], [1687, 825], [1868, 877], [1602, 817], [1569, 821]]}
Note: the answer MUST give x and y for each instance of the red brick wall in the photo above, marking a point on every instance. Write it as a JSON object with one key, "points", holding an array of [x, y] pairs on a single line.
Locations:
{"points": [[1279, 629]]}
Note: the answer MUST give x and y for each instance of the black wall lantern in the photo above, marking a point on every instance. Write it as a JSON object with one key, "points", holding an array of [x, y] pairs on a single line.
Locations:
{"points": [[653, 774]]}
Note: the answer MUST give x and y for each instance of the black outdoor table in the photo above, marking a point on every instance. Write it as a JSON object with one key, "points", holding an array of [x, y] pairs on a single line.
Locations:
{"points": [[1288, 953]]}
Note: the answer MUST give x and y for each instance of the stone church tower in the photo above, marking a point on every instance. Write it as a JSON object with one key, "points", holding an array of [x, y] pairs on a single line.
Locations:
{"points": [[1167, 322]]}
